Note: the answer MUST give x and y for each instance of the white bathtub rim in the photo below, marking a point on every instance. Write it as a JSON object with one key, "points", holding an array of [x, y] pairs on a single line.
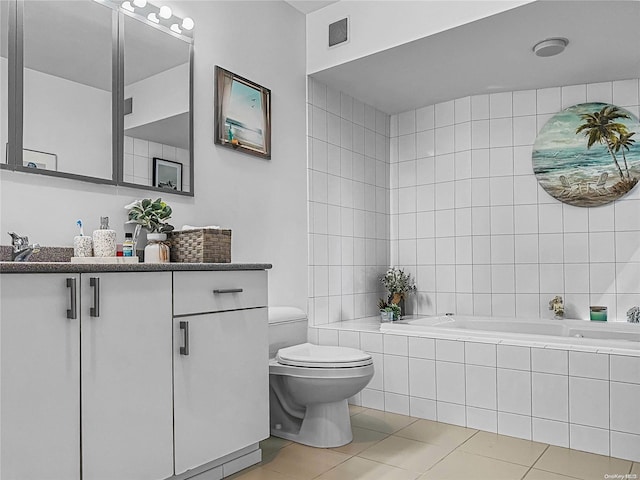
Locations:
{"points": [[373, 325]]}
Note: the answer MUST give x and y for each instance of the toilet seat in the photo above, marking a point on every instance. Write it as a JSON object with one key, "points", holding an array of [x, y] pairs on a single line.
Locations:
{"points": [[320, 356]]}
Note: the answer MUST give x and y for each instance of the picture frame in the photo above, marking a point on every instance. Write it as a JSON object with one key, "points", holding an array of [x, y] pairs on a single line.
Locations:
{"points": [[242, 114], [167, 174], [35, 159]]}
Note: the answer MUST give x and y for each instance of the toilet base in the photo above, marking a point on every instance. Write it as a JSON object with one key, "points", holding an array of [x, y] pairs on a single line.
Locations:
{"points": [[325, 425]]}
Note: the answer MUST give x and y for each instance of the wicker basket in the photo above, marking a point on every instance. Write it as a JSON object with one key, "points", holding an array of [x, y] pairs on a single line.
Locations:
{"points": [[204, 245]]}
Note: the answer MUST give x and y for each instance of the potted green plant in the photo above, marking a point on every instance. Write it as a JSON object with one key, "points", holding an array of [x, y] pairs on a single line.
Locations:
{"points": [[153, 216], [399, 284]]}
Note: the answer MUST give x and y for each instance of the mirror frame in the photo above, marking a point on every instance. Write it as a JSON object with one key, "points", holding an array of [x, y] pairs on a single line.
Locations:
{"points": [[15, 83]]}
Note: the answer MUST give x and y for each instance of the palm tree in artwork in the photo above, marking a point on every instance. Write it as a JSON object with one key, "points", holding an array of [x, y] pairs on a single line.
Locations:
{"points": [[601, 127], [621, 143]]}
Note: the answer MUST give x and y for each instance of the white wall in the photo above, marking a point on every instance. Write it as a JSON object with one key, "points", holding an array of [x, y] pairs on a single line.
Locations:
{"points": [[152, 101], [470, 220], [376, 26], [348, 205], [262, 201]]}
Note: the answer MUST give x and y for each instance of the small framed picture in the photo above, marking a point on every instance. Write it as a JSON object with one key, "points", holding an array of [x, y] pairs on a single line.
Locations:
{"points": [[242, 113], [167, 174], [40, 160]]}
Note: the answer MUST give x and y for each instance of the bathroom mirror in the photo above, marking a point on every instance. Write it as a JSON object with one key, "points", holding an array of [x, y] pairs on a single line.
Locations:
{"points": [[67, 88], [156, 124], [4, 81], [94, 92]]}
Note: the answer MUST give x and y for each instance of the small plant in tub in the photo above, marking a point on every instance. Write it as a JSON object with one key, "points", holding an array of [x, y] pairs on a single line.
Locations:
{"points": [[633, 315], [556, 305], [399, 284]]}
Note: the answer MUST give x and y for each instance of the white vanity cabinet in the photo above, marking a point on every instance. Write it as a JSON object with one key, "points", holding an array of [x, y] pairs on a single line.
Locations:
{"points": [[221, 402], [97, 382], [40, 383], [127, 426], [89, 395]]}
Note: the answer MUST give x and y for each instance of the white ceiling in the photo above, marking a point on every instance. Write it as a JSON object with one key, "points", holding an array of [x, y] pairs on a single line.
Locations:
{"points": [[308, 6], [494, 54]]}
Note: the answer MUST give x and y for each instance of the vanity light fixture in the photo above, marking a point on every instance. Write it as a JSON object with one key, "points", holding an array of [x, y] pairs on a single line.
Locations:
{"points": [[550, 47], [159, 16], [165, 12], [187, 23]]}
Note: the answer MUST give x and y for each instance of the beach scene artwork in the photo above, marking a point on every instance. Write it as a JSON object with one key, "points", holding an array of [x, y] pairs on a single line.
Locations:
{"points": [[588, 154]]}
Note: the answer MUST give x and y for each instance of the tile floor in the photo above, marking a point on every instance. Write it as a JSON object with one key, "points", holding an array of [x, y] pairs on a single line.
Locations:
{"points": [[387, 446]]}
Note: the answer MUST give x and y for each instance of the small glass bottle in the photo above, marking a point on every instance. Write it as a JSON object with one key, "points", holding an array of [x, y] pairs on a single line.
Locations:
{"points": [[127, 245]]}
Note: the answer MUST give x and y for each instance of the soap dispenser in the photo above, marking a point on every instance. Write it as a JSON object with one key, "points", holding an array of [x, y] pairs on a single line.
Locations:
{"points": [[104, 240]]}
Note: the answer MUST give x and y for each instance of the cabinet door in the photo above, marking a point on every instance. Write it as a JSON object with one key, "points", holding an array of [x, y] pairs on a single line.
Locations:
{"points": [[127, 425], [40, 378], [221, 388]]}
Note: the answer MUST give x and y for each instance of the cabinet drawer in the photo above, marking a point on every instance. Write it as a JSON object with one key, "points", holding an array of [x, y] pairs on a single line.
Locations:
{"points": [[201, 292]]}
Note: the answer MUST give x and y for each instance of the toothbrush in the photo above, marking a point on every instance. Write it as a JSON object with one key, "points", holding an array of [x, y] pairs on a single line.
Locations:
{"points": [[79, 224]]}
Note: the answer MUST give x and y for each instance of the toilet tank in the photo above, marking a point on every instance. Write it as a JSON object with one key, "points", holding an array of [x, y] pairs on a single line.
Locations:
{"points": [[287, 327]]}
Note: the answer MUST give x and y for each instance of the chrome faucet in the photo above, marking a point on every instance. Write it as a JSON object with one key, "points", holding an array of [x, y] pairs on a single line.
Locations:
{"points": [[21, 248]]}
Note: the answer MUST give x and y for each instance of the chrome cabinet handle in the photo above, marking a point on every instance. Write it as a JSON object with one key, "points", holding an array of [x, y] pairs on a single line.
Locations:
{"points": [[227, 290], [95, 310], [72, 312], [184, 326]]}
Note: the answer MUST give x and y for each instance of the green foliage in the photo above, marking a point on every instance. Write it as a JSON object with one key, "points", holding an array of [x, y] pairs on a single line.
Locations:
{"points": [[151, 215], [396, 281]]}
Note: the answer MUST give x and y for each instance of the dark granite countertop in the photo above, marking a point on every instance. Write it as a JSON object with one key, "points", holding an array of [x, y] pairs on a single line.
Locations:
{"points": [[68, 267]]}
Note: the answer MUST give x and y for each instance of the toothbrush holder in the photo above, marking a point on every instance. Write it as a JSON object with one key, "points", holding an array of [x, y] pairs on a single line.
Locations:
{"points": [[82, 246]]}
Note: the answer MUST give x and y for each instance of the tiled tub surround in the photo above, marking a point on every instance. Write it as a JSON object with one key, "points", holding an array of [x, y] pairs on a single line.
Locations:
{"points": [[348, 192], [470, 221], [553, 394], [138, 160]]}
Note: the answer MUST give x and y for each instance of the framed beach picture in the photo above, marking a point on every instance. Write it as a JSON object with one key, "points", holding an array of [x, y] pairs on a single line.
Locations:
{"points": [[242, 113], [588, 154], [167, 174]]}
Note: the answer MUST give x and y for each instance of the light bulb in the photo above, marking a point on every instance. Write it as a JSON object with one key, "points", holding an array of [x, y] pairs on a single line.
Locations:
{"points": [[127, 6], [187, 23], [165, 12], [152, 16], [140, 3], [176, 28]]}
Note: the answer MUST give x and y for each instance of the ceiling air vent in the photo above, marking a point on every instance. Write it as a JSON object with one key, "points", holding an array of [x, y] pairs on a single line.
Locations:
{"points": [[338, 32]]}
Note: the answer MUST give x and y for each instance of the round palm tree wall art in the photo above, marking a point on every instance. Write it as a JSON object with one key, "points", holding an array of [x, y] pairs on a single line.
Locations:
{"points": [[588, 154]]}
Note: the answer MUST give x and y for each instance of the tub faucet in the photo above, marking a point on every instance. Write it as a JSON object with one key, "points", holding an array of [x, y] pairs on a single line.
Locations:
{"points": [[21, 248]]}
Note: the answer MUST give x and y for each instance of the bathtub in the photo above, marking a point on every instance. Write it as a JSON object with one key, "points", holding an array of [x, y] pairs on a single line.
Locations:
{"points": [[577, 333]]}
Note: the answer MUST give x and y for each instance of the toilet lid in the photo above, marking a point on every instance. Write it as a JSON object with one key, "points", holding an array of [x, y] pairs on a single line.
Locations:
{"points": [[318, 356]]}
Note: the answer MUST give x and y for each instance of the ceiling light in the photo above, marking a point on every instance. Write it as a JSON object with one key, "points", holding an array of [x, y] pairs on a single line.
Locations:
{"points": [[187, 23], [153, 17], [127, 6], [140, 3], [165, 12], [176, 28], [550, 47]]}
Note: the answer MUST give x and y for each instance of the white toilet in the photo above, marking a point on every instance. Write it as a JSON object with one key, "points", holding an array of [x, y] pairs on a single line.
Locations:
{"points": [[309, 385]]}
